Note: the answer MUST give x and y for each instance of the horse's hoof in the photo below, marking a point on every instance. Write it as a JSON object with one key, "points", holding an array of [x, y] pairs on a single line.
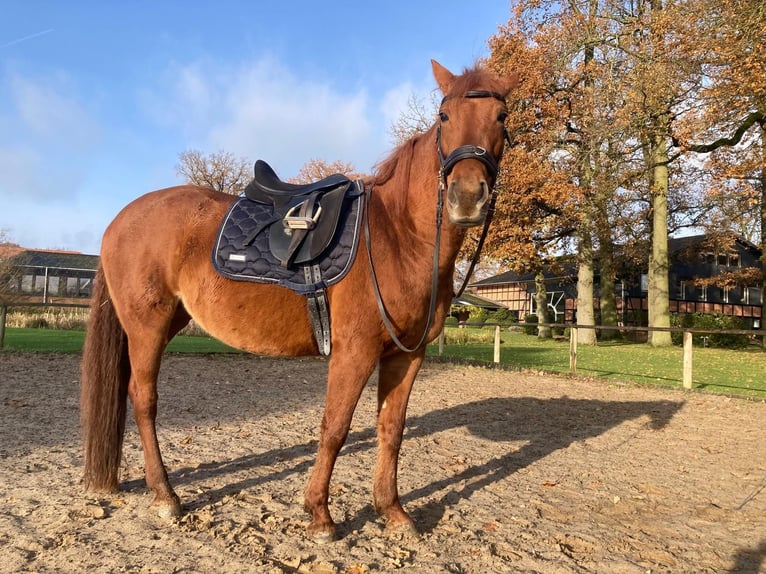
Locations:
{"points": [[402, 530], [168, 509], [322, 534]]}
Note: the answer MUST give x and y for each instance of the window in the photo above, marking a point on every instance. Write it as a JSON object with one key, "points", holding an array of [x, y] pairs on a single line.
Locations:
{"points": [[751, 296], [732, 294], [723, 259], [53, 285], [26, 283], [71, 286]]}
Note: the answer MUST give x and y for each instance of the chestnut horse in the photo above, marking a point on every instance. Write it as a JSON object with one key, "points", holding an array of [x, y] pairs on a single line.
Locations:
{"points": [[156, 274]]}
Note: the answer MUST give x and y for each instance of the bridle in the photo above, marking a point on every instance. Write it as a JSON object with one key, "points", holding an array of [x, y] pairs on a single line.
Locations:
{"points": [[446, 165], [467, 151]]}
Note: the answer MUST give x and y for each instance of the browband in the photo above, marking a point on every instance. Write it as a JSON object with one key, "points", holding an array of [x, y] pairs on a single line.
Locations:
{"points": [[476, 94]]}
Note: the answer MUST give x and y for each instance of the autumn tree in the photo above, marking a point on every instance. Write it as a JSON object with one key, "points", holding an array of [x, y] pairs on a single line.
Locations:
{"points": [[728, 122], [221, 171], [537, 199]]}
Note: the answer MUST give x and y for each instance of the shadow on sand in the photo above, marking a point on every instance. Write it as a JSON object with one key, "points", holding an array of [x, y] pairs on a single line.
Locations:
{"points": [[546, 425]]}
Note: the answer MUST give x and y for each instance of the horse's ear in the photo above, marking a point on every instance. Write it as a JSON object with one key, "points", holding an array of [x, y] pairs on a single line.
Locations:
{"points": [[510, 82], [443, 76]]}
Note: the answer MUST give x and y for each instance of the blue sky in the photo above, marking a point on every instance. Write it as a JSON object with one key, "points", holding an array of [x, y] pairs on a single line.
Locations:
{"points": [[98, 99]]}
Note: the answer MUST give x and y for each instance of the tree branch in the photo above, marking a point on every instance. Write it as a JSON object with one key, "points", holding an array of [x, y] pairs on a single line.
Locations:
{"points": [[752, 119]]}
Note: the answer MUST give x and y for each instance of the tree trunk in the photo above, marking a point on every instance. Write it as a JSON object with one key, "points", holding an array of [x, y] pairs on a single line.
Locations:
{"points": [[659, 289], [541, 302], [607, 299], [585, 314]]}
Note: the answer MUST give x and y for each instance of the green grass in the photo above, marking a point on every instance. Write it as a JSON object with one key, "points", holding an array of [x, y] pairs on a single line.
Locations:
{"points": [[741, 372], [61, 341]]}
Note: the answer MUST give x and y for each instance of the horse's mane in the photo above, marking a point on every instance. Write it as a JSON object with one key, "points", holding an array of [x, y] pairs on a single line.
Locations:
{"points": [[395, 169]]}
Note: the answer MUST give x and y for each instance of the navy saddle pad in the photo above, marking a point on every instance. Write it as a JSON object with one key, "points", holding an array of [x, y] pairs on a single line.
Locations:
{"points": [[244, 253]]}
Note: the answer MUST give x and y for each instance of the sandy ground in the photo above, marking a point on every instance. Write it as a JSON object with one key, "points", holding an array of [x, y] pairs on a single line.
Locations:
{"points": [[502, 472]]}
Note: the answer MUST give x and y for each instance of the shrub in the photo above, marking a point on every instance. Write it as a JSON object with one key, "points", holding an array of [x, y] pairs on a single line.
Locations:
{"points": [[478, 315], [530, 324], [712, 322], [502, 316]]}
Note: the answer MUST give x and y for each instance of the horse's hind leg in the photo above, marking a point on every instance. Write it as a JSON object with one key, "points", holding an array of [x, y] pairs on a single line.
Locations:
{"points": [[145, 350], [396, 377]]}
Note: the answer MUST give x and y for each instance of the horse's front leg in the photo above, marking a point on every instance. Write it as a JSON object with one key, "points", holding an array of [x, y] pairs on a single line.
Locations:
{"points": [[348, 373], [142, 390], [397, 374]]}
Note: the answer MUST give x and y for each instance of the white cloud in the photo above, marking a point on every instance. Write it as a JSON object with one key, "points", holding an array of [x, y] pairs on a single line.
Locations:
{"points": [[45, 110], [263, 110], [46, 138]]}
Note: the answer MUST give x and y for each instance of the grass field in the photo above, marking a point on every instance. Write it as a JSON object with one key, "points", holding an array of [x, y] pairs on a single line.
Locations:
{"points": [[741, 372], [62, 341]]}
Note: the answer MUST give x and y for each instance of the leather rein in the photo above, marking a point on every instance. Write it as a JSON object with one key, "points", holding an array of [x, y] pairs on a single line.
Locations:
{"points": [[446, 164]]}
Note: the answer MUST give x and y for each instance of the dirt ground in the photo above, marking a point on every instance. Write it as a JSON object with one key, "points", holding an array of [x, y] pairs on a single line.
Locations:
{"points": [[502, 472]]}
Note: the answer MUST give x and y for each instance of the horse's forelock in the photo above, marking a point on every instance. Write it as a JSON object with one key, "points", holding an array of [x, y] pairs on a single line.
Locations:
{"points": [[475, 78]]}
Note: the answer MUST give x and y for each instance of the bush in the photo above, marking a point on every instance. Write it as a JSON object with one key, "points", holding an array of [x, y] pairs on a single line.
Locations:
{"points": [[502, 316], [478, 315], [712, 322], [530, 324], [451, 321]]}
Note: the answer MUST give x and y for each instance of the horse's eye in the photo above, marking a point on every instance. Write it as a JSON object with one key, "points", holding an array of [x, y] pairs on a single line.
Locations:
{"points": [[502, 116], [443, 116]]}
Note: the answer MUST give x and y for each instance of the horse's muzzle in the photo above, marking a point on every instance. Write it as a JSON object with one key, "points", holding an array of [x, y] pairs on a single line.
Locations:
{"points": [[467, 204]]}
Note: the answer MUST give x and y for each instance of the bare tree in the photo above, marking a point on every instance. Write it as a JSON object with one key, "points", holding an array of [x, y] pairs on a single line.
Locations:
{"points": [[316, 169], [221, 171], [417, 118]]}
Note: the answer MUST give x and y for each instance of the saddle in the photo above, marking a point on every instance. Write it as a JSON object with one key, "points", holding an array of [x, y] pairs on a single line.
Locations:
{"points": [[308, 213], [303, 237]]}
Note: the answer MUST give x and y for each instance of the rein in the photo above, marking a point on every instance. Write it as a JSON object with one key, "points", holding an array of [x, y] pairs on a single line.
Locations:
{"points": [[446, 166]]}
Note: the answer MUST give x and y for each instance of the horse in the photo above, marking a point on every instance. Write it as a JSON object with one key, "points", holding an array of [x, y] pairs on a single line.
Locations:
{"points": [[155, 275]]}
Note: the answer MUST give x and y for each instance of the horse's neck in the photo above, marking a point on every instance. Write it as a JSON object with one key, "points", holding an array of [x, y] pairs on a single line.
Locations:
{"points": [[410, 219]]}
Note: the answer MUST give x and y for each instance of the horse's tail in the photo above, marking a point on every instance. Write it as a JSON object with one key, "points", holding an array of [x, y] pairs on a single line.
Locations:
{"points": [[105, 374]]}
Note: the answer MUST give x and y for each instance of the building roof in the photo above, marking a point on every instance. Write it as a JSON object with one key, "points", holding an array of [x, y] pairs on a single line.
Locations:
{"points": [[566, 267], [566, 270], [471, 300], [55, 259]]}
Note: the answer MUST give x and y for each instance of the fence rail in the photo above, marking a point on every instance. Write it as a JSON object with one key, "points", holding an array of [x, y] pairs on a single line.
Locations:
{"points": [[687, 355]]}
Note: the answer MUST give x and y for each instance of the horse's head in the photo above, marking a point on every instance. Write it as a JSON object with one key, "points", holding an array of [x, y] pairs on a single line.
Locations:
{"points": [[470, 139]]}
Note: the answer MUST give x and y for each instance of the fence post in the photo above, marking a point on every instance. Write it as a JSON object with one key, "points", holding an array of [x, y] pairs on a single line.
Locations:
{"points": [[687, 376], [3, 315], [573, 349], [441, 341], [497, 344]]}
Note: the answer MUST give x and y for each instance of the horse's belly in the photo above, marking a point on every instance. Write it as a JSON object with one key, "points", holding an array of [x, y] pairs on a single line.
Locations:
{"points": [[257, 318]]}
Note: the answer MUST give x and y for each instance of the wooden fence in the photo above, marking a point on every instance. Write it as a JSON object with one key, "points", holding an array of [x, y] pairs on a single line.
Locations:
{"points": [[687, 356]]}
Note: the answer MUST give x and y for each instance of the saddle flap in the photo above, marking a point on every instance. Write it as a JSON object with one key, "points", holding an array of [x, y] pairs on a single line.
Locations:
{"points": [[297, 246]]}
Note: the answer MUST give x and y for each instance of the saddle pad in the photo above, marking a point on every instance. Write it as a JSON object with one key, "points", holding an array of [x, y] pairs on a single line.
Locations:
{"points": [[256, 263]]}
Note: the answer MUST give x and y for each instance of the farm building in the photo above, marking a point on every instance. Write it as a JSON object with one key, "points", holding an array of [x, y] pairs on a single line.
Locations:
{"points": [[696, 280], [47, 277]]}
